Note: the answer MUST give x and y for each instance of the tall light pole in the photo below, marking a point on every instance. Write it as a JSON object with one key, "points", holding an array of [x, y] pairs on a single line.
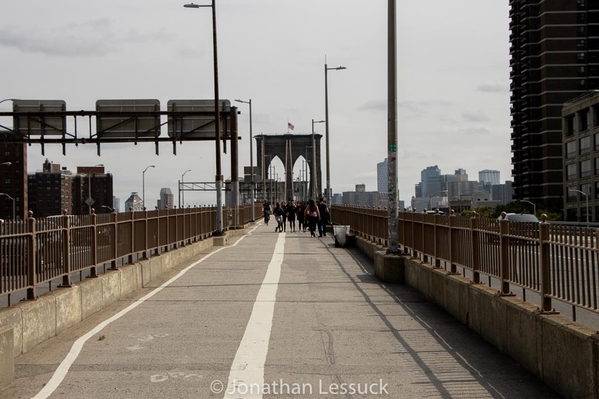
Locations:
{"points": [[326, 118], [393, 203], [313, 169], [534, 206], [219, 177], [13, 204], [182, 177], [252, 194], [587, 201], [90, 201], [143, 185]]}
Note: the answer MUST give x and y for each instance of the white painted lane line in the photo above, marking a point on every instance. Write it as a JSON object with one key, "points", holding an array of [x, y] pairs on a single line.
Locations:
{"points": [[247, 369], [65, 365]]}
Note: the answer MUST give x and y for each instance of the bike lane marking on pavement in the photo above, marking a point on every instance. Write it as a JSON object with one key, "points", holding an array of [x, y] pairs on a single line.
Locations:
{"points": [[247, 369], [65, 365]]}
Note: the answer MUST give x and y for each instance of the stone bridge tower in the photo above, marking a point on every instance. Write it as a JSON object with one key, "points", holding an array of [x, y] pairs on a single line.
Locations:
{"points": [[288, 147]]}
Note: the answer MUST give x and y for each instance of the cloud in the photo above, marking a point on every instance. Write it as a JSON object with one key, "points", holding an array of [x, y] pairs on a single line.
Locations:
{"points": [[493, 87], [374, 105], [415, 107], [89, 39], [475, 131], [475, 116]]}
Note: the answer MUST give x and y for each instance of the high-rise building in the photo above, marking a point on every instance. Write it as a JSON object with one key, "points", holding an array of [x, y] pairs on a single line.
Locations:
{"points": [[56, 190], [424, 176], [95, 187], [13, 175], [554, 47], [134, 203], [51, 191], [382, 176], [502, 193], [487, 176], [166, 199]]}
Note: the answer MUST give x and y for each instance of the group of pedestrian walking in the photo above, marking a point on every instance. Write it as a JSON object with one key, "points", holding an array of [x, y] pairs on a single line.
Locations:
{"points": [[310, 216]]}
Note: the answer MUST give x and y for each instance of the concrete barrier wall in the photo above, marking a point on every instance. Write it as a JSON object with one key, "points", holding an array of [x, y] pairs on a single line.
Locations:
{"points": [[7, 360], [33, 322], [563, 354]]}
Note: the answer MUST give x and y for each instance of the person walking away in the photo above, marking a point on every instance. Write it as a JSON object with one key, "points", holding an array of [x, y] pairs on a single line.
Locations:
{"points": [[266, 210], [290, 211], [324, 218], [312, 215], [284, 208], [278, 212], [299, 211]]}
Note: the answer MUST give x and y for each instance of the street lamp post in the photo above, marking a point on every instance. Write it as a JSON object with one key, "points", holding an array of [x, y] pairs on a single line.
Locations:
{"points": [[534, 206], [587, 202], [392, 211], [13, 204], [182, 181], [326, 118], [90, 200], [252, 194], [218, 178], [143, 186], [313, 170]]}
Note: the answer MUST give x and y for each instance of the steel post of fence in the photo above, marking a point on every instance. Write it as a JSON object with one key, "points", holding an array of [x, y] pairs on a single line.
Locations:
{"points": [[66, 253], [115, 240], [31, 266], [504, 242], [435, 253], [424, 254], [167, 229], [132, 246], [594, 277], [452, 266], [157, 249], [544, 263], [146, 234], [475, 250], [403, 232], [93, 271]]}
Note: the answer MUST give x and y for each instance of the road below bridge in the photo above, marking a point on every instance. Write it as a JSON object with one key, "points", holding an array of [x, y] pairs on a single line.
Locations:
{"points": [[276, 316]]}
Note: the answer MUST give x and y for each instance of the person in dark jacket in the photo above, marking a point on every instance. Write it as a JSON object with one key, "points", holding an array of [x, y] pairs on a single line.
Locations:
{"points": [[278, 212], [299, 210], [324, 217]]}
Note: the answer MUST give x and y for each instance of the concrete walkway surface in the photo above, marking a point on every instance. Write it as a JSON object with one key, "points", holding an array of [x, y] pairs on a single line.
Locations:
{"points": [[271, 315]]}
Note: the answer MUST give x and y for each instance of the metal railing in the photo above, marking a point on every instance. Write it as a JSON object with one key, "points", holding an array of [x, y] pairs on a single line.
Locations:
{"points": [[54, 249], [556, 261]]}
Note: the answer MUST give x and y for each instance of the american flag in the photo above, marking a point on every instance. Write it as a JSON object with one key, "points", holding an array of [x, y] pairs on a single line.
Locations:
{"points": [[290, 126]]}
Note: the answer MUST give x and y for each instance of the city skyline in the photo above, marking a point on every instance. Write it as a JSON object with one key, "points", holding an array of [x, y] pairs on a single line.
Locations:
{"points": [[453, 86]]}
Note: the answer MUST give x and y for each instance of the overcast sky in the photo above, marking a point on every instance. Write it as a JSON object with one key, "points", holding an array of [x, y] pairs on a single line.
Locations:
{"points": [[453, 80]]}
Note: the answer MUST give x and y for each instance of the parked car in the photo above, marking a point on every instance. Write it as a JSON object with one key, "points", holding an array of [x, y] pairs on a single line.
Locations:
{"points": [[520, 217]]}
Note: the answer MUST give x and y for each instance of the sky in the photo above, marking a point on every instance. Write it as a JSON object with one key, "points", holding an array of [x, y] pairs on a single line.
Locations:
{"points": [[453, 81]]}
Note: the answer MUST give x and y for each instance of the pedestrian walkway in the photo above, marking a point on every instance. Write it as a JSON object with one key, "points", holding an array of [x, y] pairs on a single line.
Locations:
{"points": [[273, 315]]}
